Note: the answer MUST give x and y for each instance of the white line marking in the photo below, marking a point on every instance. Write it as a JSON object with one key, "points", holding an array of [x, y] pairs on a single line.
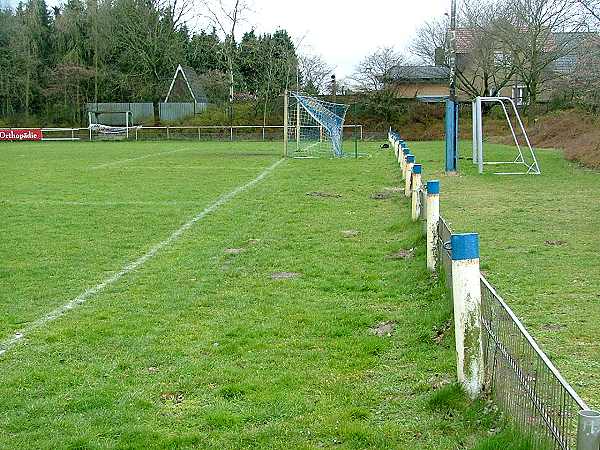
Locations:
{"points": [[7, 344], [105, 203], [123, 161]]}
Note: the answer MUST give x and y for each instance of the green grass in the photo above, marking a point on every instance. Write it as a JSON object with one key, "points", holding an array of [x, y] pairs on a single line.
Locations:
{"points": [[540, 247], [199, 347]]}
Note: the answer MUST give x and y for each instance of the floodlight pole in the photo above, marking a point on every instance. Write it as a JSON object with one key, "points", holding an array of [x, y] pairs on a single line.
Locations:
{"points": [[452, 103], [285, 123]]}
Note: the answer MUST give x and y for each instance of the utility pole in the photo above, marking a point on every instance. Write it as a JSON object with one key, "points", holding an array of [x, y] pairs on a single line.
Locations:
{"points": [[452, 103], [452, 50]]}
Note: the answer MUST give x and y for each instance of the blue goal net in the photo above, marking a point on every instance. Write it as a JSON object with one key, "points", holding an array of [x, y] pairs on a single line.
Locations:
{"points": [[315, 127]]}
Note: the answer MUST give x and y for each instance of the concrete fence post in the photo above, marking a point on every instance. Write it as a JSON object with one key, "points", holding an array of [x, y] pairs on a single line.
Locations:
{"points": [[466, 291], [416, 188], [403, 156], [588, 430], [433, 218], [410, 160], [402, 152]]}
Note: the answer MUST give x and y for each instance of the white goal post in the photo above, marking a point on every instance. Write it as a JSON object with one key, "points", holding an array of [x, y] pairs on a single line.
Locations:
{"points": [[110, 130], [529, 162], [312, 127]]}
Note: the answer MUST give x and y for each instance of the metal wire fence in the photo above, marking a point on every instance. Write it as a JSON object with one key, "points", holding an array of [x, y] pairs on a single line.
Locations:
{"points": [[523, 382], [195, 133]]}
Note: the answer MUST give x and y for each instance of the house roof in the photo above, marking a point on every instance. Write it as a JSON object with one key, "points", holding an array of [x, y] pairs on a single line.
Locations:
{"points": [[192, 81], [411, 73], [572, 44]]}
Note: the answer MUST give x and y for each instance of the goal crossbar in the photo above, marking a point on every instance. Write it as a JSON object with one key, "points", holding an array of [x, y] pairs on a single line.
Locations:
{"points": [[531, 165]]}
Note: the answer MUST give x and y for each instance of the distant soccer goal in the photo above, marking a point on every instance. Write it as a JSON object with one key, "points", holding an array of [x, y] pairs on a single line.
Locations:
{"points": [[313, 127], [526, 161], [100, 130]]}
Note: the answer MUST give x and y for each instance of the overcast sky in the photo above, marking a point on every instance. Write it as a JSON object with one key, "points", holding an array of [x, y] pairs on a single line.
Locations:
{"points": [[342, 32], [345, 31]]}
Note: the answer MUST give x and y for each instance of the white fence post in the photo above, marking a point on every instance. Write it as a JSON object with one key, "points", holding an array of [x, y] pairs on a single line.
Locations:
{"points": [[433, 218], [588, 430], [407, 173], [404, 152], [416, 188], [466, 291]]}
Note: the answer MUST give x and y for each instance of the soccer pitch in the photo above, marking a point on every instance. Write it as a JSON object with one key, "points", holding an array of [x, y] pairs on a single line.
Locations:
{"points": [[213, 295]]}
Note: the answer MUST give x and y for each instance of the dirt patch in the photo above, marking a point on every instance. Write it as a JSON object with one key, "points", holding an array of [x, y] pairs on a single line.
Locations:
{"points": [[172, 397], [387, 193], [324, 194], [438, 382], [285, 275], [556, 243], [402, 254], [439, 333], [253, 241], [350, 233], [575, 132], [233, 251], [382, 195], [384, 329], [553, 327]]}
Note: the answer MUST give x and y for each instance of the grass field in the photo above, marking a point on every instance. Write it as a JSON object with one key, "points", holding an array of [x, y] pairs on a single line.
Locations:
{"points": [[539, 246], [177, 332]]}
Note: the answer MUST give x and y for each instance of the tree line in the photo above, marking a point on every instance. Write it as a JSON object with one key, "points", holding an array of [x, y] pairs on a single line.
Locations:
{"points": [[54, 61]]}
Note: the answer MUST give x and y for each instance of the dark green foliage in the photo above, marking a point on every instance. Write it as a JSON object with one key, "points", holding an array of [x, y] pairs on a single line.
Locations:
{"points": [[123, 51]]}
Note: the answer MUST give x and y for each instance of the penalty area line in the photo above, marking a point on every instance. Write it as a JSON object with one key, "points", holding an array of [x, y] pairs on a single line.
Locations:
{"points": [[18, 336]]}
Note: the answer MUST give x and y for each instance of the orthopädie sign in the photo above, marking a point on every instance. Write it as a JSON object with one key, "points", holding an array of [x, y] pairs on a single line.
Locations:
{"points": [[21, 135]]}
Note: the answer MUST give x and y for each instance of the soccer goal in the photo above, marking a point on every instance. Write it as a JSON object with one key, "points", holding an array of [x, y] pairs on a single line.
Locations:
{"points": [[109, 129], [525, 160], [312, 127]]}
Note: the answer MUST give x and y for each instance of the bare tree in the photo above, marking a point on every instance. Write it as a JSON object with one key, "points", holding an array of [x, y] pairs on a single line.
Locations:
{"points": [[372, 72], [484, 67], [225, 16], [314, 73], [431, 39], [147, 35], [537, 33], [591, 8]]}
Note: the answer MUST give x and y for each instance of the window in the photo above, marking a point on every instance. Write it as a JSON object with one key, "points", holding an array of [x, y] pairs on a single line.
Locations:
{"points": [[501, 58], [520, 95]]}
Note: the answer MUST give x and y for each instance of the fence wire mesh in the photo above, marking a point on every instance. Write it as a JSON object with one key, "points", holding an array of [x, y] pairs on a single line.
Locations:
{"points": [[519, 377], [192, 133]]}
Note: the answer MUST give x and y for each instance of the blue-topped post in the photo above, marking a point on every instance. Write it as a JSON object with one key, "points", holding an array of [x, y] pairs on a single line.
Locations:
{"points": [[433, 217], [466, 292], [402, 157], [405, 153], [416, 191], [410, 161], [451, 136], [588, 430]]}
